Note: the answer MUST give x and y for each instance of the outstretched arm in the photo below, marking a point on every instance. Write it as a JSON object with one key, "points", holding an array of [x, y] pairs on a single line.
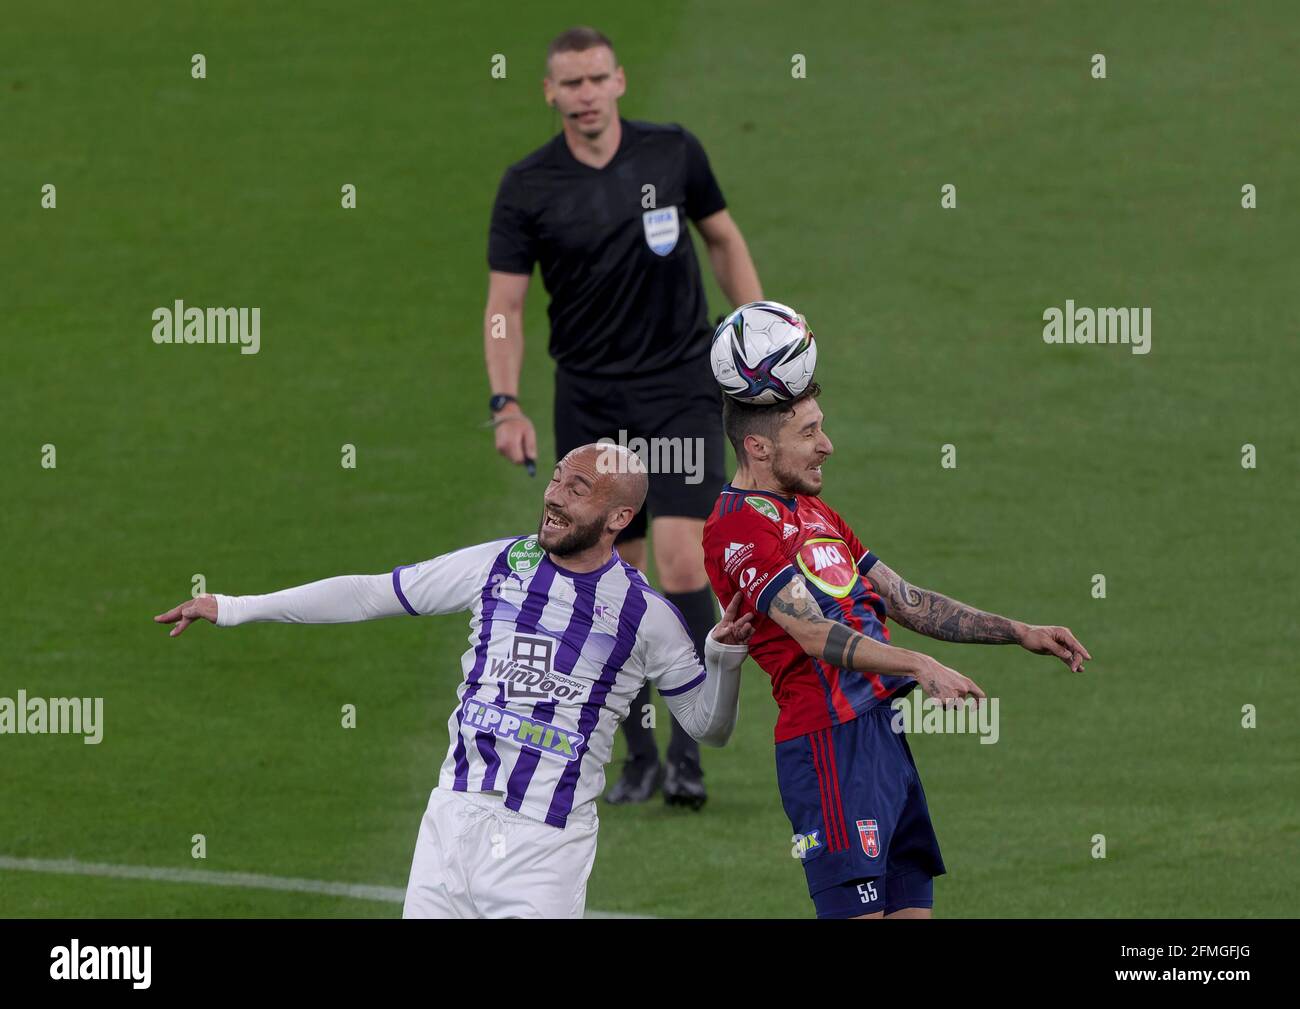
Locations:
{"points": [[937, 616], [339, 600], [822, 638], [448, 583]]}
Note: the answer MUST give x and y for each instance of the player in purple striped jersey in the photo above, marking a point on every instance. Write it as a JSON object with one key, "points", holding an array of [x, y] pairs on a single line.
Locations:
{"points": [[563, 634]]}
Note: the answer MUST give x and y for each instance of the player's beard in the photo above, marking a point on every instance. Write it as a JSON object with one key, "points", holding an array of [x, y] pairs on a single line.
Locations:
{"points": [[794, 479], [573, 540]]}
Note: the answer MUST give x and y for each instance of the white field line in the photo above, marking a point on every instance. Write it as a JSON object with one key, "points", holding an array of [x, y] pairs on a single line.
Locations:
{"points": [[207, 877]]}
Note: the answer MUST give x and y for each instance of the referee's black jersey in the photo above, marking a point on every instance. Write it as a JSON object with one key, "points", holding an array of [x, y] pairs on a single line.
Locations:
{"points": [[626, 294]]}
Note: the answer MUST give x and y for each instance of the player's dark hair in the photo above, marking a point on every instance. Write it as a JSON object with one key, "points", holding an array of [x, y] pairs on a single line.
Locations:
{"points": [[578, 40], [740, 420]]}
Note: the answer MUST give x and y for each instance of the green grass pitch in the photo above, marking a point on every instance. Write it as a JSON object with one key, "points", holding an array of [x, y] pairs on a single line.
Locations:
{"points": [[1072, 461]]}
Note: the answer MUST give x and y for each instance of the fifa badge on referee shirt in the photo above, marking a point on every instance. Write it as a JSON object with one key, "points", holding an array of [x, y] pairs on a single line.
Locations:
{"points": [[661, 230], [870, 837]]}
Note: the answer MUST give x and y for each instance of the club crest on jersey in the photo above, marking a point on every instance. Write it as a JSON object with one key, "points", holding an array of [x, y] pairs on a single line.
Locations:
{"points": [[764, 507], [533, 733], [524, 556], [661, 230], [828, 563], [870, 837]]}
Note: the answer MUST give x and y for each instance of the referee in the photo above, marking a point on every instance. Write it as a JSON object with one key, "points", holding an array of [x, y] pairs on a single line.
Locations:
{"points": [[602, 208]]}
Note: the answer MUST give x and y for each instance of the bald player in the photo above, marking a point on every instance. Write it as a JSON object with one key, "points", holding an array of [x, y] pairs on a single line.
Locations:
{"points": [[564, 635]]}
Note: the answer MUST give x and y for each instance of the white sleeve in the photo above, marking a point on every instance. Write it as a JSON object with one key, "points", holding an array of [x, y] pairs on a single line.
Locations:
{"points": [[708, 709], [450, 583], [444, 584], [331, 601], [704, 698]]}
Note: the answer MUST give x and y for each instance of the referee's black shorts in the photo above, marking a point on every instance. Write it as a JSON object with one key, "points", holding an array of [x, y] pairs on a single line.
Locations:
{"points": [[678, 413]]}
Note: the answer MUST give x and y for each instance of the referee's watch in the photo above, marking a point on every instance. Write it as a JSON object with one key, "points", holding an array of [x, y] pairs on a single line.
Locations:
{"points": [[499, 401]]}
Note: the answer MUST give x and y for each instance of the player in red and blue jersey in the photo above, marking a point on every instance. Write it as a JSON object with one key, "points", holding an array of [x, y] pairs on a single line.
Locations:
{"points": [[847, 778]]}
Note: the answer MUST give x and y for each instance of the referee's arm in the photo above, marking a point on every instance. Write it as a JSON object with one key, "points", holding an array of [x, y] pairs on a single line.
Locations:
{"points": [[730, 259], [512, 253], [503, 350]]}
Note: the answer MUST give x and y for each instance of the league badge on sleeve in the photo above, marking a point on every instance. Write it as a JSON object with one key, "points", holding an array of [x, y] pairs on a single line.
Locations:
{"points": [[764, 507], [870, 837], [661, 230]]}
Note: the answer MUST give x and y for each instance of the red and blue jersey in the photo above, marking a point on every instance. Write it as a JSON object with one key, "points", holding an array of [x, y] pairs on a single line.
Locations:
{"points": [[754, 543]]}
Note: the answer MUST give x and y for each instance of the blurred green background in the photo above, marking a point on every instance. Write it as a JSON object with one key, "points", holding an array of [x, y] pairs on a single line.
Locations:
{"points": [[1072, 460]]}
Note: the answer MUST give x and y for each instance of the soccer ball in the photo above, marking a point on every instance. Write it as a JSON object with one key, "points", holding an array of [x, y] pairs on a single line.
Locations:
{"points": [[763, 353]]}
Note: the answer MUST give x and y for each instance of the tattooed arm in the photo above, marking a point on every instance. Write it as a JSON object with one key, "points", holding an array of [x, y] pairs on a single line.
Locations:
{"points": [[829, 640], [937, 616]]}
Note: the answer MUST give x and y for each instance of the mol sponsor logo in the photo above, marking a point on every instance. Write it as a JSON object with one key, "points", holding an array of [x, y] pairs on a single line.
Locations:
{"points": [[828, 563]]}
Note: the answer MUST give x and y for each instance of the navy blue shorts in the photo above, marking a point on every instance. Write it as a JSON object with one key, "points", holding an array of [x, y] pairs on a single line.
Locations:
{"points": [[862, 827]]}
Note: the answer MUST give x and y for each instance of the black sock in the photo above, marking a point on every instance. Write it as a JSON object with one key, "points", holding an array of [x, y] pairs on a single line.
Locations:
{"points": [[640, 740], [697, 607]]}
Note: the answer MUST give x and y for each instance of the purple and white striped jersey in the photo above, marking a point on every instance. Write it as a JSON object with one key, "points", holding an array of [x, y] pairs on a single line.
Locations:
{"points": [[555, 661]]}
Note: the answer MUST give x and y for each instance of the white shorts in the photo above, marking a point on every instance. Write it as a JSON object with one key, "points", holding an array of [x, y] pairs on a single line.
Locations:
{"points": [[474, 858]]}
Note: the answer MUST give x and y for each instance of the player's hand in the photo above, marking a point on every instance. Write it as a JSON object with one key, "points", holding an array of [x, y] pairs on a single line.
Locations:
{"points": [[202, 608], [733, 629], [1056, 641], [944, 684], [515, 437]]}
